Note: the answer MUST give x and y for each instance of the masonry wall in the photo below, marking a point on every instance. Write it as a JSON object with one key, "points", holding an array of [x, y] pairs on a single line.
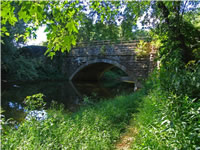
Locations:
{"points": [[121, 55]]}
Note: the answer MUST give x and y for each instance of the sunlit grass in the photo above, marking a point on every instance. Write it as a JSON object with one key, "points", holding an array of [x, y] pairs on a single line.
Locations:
{"points": [[167, 122], [94, 127]]}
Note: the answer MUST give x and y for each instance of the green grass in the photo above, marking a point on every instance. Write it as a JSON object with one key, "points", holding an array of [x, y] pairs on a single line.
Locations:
{"points": [[167, 122], [163, 121], [94, 127]]}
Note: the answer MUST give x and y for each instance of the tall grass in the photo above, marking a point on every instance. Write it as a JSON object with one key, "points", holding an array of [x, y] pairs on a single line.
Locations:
{"points": [[168, 121], [94, 127], [165, 123]]}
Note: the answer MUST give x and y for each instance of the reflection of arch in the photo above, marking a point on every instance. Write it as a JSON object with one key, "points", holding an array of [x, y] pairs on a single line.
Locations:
{"points": [[93, 70]]}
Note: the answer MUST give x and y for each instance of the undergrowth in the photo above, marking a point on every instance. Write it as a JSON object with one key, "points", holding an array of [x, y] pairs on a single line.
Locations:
{"points": [[93, 127], [169, 120], [166, 123], [164, 120]]}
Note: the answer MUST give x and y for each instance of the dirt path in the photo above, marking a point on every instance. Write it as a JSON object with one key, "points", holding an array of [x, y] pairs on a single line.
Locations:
{"points": [[126, 139]]}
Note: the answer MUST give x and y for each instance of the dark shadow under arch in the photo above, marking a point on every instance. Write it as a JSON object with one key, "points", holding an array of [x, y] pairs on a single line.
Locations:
{"points": [[93, 70]]}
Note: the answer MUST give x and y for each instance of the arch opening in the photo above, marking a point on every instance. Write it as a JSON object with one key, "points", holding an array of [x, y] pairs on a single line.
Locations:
{"points": [[93, 71]]}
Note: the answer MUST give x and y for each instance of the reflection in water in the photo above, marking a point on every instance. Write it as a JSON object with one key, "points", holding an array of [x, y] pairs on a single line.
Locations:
{"points": [[15, 105], [36, 114], [63, 92]]}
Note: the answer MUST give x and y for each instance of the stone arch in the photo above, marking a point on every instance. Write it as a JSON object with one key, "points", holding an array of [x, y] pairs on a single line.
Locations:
{"points": [[101, 65]]}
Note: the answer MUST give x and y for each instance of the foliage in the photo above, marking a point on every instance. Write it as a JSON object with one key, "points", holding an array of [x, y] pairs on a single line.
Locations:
{"points": [[34, 102], [179, 46], [59, 18], [164, 120], [179, 37], [33, 69], [113, 74], [140, 34], [27, 69], [64, 19], [131, 14], [90, 31], [93, 127], [7, 10], [9, 47], [167, 121], [28, 63], [182, 81], [143, 49], [169, 116]]}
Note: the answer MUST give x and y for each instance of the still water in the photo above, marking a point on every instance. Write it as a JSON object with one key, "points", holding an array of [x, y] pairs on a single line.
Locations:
{"points": [[63, 92]]}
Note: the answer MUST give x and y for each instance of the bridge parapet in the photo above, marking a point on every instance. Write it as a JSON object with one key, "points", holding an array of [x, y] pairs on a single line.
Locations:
{"points": [[109, 42], [108, 48]]}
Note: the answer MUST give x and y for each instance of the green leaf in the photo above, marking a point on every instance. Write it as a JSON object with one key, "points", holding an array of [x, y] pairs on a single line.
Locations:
{"points": [[3, 29], [73, 40], [71, 27], [51, 54], [46, 29], [7, 34], [22, 14], [67, 43]]}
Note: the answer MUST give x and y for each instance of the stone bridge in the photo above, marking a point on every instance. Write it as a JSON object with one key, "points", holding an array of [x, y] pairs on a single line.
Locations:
{"points": [[90, 61]]}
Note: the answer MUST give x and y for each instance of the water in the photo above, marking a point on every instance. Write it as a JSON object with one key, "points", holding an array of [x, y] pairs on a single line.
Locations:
{"points": [[63, 92]]}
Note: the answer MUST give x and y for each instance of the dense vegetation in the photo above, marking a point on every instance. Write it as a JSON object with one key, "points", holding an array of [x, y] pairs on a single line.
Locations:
{"points": [[30, 64], [93, 127], [168, 112], [166, 119]]}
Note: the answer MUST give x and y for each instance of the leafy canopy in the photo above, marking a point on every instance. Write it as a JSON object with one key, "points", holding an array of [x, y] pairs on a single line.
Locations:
{"points": [[64, 19]]}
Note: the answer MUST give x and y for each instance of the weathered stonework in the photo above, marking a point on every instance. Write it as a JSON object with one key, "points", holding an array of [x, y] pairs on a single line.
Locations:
{"points": [[88, 62]]}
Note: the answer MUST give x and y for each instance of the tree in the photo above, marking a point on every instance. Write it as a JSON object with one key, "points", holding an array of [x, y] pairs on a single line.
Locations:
{"points": [[90, 31], [64, 19], [9, 47], [175, 31]]}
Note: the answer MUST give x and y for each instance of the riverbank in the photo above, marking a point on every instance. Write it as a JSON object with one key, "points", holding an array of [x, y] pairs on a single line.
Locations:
{"points": [[95, 126], [146, 119], [165, 121]]}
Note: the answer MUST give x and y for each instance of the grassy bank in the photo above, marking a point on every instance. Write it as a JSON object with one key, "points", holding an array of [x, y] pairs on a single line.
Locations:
{"points": [[166, 122], [94, 127], [161, 120], [169, 119]]}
